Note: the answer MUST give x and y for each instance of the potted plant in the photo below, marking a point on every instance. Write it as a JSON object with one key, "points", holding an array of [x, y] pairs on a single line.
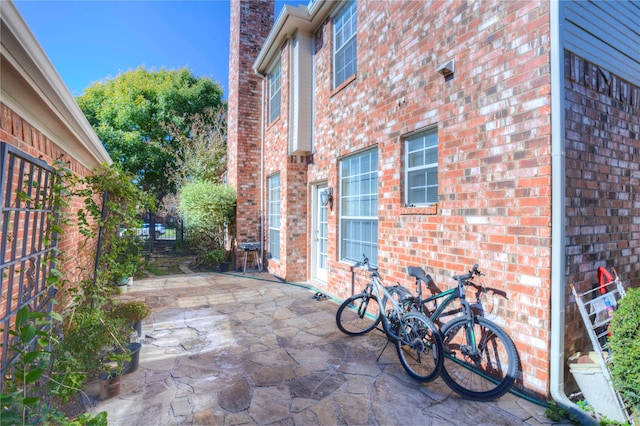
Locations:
{"points": [[216, 258], [624, 343], [113, 371], [91, 334], [133, 312], [127, 258]]}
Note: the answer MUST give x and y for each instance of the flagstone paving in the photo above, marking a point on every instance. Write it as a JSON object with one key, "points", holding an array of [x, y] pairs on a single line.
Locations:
{"points": [[233, 349]]}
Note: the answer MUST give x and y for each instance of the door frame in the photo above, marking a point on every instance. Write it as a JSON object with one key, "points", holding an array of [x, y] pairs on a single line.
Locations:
{"points": [[316, 272]]}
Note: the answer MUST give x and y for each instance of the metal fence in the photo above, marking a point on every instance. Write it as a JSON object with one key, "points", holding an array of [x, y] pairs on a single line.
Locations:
{"points": [[26, 240], [167, 236]]}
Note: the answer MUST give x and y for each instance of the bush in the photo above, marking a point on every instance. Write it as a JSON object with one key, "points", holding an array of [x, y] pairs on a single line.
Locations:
{"points": [[215, 257], [625, 346], [132, 311], [208, 212]]}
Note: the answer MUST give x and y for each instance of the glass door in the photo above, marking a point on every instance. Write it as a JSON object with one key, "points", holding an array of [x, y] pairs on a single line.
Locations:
{"points": [[320, 235]]}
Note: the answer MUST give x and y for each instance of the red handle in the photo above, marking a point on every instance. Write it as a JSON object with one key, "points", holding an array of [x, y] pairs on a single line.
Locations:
{"points": [[602, 274]]}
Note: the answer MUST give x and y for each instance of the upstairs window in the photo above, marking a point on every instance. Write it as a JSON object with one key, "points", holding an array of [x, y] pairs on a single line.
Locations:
{"points": [[421, 169], [344, 42], [274, 93]]}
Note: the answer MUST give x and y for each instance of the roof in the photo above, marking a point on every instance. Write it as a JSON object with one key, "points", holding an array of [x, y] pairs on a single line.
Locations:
{"points": [[31, 86], [291, 20]]}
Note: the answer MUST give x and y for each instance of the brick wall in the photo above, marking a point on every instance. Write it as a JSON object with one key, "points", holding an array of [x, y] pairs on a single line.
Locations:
{"points": [[294, 245], [493, 121], [245, 113], [77, 249], [602, 123]]}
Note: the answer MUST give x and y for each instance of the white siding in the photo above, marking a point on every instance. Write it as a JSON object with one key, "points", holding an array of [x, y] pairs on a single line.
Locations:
{"points": [[301, 95], [606, 33]]}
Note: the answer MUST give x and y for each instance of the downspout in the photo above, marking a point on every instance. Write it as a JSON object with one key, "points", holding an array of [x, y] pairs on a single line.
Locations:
{"points": [[558, 214], [262, 124]]}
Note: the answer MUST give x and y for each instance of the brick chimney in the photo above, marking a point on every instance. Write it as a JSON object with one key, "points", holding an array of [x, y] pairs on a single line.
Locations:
{"points": [[251, 21]]}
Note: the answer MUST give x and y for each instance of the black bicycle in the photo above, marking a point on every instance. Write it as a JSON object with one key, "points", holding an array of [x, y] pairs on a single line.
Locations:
{"points": [[480, 359], [417, 339]]}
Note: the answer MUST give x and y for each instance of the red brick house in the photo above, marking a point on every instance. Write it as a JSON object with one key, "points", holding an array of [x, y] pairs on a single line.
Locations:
{"points": [[40, 123], [448, 133]]}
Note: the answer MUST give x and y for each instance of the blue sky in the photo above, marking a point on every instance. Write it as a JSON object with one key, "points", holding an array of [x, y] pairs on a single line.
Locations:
{"points": [[89, 41]]}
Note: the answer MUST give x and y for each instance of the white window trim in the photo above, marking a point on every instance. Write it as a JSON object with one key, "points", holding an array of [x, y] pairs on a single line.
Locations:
{"points": [[407, 169], [338, 15], [271, 213], [278, 92], [373, 219]]}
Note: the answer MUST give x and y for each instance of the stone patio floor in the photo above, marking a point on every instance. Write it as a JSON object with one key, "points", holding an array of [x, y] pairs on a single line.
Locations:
{"points": [[234, 349]]}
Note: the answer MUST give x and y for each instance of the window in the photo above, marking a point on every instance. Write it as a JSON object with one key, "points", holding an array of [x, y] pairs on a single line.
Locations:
{"points": [[421, 169], [344, 42], [274, 216], [359, 207], [274, 93]]}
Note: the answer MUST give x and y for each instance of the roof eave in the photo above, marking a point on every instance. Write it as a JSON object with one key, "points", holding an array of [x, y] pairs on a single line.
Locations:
{"points": [[291, 20], [36, 72]]}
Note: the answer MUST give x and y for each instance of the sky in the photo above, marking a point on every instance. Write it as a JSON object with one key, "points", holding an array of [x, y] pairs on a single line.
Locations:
{"points": [[88, 41]]}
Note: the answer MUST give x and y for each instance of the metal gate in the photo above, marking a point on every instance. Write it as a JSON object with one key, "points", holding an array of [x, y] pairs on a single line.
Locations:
{"points": [[162, 234]]}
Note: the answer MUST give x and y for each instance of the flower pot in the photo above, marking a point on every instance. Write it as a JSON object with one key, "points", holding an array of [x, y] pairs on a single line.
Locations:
{"points": [[109, 385], [223, 267], [122, 289], [129, 280], [137, 326], [134, 351], [587, 372]]}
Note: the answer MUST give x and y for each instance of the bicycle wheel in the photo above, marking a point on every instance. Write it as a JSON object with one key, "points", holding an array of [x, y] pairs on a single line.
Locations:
{"points": [[489, 373], [420, 347], [358, 314]]}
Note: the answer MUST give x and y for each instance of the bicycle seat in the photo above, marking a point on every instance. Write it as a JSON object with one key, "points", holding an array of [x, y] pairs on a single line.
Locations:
{"points": [[417, 272]]}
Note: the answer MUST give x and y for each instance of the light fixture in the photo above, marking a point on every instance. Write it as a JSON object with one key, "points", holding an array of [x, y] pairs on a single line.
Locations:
{"points": [[326, 197]]}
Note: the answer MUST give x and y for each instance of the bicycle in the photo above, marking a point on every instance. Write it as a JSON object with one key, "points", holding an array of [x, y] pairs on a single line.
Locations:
{"points": [[480, 359], [418, 341]]}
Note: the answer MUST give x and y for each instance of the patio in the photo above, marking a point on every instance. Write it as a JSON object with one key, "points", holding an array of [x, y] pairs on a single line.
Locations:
{"points": [[249, 349]]}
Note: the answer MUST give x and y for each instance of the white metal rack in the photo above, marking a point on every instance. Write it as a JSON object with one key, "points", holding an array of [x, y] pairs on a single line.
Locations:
{"points": [[596, 307]]}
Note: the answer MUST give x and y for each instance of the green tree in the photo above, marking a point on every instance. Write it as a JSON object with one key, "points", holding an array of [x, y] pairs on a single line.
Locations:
{"points": [[132, 113], [201, 154]]}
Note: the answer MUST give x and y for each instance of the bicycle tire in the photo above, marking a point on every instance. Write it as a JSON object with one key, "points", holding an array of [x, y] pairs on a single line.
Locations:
{"points": [[422, 359], [358, 315], [492, 374]]}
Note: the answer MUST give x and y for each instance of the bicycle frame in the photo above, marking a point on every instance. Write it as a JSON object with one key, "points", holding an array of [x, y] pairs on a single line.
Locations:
{"points": [[383, 295], [450, 295]]}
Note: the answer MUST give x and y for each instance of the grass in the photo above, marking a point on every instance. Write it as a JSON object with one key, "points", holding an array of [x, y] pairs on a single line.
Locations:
{"points": [[162, 266]]}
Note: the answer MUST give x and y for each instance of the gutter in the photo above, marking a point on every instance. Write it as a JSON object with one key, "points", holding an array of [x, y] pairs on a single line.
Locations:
{"points": [[558, 215]]}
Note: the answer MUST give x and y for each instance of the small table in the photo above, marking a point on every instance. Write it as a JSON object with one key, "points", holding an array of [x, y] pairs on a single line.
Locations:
{"points": [[251, 247]]}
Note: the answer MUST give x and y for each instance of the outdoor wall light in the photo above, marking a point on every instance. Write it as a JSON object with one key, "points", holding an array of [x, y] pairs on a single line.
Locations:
{"points": [[326, 197]]}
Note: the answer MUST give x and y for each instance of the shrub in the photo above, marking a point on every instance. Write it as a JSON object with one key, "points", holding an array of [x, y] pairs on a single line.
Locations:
{"points": [[625, 346], [132, 311], [208, 212], [214, 257]]}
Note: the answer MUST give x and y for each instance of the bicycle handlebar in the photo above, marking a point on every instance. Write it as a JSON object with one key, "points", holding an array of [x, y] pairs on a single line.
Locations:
{"points": [[468, 276], [365, 262]]}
